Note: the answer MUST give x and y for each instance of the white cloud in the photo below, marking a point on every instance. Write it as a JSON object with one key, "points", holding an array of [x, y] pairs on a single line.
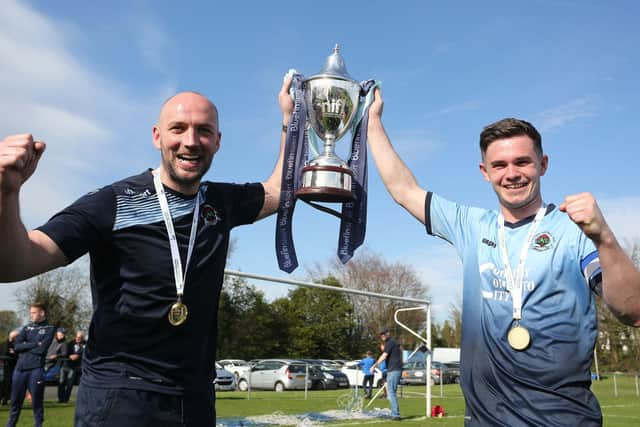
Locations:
{"points": [[564, 114], [471, 105], [86, 118], [152, 42]]}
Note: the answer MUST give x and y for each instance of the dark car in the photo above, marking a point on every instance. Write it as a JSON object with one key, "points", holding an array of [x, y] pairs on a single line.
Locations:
{"points": [[449, 372], [325, 378]]}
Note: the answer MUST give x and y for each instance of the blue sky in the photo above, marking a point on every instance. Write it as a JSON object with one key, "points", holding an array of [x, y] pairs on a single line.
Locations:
{"points": [[89, 78]]}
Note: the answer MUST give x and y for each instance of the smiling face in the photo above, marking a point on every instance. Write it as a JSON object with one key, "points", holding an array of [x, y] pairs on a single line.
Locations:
{"points": [[513, 167], [187, 136]]}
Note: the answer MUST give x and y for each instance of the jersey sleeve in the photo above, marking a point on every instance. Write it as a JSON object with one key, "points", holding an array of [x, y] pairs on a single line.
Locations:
{"points": [[81, 226], [450, 221], [590, 264], [243, 202]]}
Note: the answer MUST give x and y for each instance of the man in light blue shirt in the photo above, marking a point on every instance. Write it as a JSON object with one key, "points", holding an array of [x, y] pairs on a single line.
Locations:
{"points": [[532, 271]]}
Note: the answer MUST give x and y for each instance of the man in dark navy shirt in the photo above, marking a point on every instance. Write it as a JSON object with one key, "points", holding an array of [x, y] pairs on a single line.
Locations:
{"points": [[392, 355], [31, 346], [158, 244]]}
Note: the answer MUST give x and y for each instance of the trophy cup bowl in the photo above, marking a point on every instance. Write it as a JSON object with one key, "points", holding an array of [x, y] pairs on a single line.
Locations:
{"points": [[331, 98]]}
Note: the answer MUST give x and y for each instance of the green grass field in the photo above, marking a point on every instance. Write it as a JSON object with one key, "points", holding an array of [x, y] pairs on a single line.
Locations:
{"points": [[620, 411]]}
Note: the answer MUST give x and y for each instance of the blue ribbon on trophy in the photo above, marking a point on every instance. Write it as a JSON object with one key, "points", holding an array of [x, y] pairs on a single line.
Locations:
{"points": [[326, 106]]}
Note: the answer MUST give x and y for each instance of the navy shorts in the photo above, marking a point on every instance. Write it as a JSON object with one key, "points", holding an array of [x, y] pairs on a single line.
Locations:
{"points": [[96, 407]]}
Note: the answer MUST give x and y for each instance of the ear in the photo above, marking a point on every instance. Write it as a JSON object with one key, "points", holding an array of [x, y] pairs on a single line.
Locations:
{"points": [[544, 164], [217, 146], [155, 133], [484, 172]]}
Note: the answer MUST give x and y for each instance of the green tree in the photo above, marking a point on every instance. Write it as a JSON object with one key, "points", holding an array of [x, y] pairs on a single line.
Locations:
{"points": [[64, 292], [8, 322], [369, 271], [247, 328], [618, 345], [318, 322]]}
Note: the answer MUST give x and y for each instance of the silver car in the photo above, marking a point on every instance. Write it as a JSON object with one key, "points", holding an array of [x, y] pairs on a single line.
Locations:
{"points": [[225, 380], [275, 374]]}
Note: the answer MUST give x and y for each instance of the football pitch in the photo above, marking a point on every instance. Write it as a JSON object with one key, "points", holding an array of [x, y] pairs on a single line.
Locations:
{"points": [[328, 408]]}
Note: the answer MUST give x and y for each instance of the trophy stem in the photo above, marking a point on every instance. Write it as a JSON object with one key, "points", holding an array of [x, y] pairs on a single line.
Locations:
{"points": [[329, 146]]}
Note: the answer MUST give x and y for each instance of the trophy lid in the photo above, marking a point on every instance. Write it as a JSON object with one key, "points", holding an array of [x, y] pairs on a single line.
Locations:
{"points": [[334, 66]]}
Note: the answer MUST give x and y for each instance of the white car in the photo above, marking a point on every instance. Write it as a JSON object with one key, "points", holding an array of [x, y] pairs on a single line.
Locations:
{"points": [[225, 380], [237, 367], [354, 372]]}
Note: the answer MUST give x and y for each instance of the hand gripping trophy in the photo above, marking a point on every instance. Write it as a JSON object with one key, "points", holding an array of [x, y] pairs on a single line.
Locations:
{"points": [[327, 106]]}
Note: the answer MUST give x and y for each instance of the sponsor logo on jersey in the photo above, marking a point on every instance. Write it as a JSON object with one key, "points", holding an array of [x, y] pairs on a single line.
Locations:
{"points": [[210, 215], [542, 242], [488, 242]]}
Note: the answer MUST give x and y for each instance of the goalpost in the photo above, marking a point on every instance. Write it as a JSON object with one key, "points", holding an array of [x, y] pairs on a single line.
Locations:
{"points": [[424, 305]]}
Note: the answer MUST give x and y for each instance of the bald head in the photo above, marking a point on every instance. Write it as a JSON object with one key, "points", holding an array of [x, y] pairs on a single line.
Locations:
{"points": [[179, 102]]}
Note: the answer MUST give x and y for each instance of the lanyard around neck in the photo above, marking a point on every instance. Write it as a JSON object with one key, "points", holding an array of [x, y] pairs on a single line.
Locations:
{"points": [[514, 284], [179, 276]]}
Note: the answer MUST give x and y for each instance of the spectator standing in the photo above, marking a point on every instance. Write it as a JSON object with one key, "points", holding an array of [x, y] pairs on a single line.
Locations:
{"points": [[71, 367], [367, 381], [10, 358], [383, 369], [57, 349], [31, 346], [393, 357]]}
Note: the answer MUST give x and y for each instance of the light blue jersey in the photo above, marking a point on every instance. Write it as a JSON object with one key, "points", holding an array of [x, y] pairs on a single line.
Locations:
{"points": [[547, 384]]}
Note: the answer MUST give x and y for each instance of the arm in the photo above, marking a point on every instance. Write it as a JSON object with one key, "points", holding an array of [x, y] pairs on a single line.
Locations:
{"points": [[23, 254], [273, 184], [381, 359], [395, 174], [21, 345], [620, 277]]}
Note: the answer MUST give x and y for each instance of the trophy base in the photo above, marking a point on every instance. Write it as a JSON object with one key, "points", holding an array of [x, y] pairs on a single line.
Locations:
{"points": [[326, 184]]}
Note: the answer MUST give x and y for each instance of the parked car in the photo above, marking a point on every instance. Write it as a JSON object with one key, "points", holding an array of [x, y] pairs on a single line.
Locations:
{"points": [[52, 375], [225, 380], [450, 372], [236, 366], [327, 378], [275, 374], [415, 373], [355, 376]]}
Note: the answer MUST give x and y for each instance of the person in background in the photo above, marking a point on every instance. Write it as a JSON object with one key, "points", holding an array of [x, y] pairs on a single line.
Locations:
{"points": [[31, 346], [70, 370], [392, 355], [10, 357], [57, 349], [367, 380]]}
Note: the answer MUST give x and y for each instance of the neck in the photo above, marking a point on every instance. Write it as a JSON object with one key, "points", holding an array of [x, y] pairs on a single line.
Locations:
{"points": [[190, 189], [513, 215]]}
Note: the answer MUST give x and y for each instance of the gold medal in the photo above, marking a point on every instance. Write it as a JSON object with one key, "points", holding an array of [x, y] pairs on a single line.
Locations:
{"points": [[519, 338], [178, 313]]}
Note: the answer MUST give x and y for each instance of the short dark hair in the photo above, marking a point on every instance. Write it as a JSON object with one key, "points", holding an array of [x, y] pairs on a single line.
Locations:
{"points": [[38, 305], [507, 128]]}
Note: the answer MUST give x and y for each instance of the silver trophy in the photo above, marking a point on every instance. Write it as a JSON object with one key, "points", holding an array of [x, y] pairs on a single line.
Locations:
{"points": [[331, 99]]}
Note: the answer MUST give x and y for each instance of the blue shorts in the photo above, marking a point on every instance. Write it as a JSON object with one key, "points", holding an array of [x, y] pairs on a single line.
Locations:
{"points": [[97, 407]]}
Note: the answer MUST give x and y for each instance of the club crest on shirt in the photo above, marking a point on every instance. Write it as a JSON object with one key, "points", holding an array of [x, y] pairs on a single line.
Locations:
{"points": [[542, 242], [210, 215]]}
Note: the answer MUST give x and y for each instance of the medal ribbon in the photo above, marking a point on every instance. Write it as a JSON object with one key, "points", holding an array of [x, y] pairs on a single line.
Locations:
{"points": [[515, 285], [178, 275]]}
